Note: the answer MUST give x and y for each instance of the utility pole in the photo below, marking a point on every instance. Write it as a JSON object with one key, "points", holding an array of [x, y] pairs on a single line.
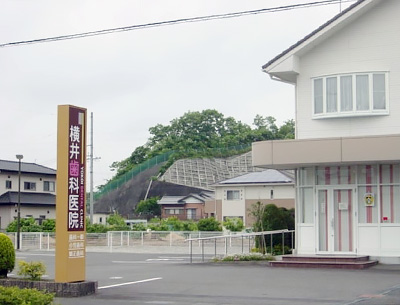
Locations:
{"points": [[91, 167], [91, 158]]}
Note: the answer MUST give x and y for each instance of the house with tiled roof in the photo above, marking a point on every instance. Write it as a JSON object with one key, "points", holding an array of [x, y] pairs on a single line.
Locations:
{"points": [[188, 207], [235, 197], [38, 191], [346, 152]]}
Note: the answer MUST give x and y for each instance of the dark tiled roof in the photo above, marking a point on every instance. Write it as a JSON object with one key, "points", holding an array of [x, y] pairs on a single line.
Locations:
{"points": [[12, 166], [312, 33], [11, 198]]}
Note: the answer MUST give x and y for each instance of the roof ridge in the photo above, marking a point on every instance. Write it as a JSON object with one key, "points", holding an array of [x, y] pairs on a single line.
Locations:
{"points": [[320, 28]]}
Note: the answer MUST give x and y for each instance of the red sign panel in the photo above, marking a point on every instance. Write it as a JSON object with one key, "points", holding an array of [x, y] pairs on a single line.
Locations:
{"points": [[76, 170]]}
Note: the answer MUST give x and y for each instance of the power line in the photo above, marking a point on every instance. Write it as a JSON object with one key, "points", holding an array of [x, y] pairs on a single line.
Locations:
{"points": [[173, 22]]}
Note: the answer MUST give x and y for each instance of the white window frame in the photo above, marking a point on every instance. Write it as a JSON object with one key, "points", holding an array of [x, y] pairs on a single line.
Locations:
{"points": [[51, 186], [29, 186], [8, 184], [354, 112], [234, 196]]}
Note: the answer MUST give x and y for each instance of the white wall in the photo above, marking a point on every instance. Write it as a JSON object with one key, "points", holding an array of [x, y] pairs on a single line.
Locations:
{"points": [[8, 213], [264, 192], [370, 44], [251, 192], [37, 178]]}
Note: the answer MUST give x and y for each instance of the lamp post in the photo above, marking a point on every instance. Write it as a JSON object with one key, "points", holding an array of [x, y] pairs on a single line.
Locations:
{"points": [[19, 157]]}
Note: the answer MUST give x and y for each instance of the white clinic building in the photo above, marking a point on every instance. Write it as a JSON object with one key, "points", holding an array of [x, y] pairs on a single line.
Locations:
{"points": [[346, 77]]}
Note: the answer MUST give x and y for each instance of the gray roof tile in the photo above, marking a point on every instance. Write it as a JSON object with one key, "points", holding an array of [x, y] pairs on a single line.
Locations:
{"points": [[12, 166], [11, 198]]}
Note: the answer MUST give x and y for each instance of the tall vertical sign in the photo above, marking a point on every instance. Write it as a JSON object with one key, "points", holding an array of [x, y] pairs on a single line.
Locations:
{"points": [[71, 192]]}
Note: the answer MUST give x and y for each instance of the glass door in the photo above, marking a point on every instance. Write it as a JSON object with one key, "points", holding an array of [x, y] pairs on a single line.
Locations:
{"points": [[335, 219]]}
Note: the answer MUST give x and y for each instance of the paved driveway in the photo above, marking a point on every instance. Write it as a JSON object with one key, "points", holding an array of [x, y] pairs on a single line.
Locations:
{"points": [[127, 278]]}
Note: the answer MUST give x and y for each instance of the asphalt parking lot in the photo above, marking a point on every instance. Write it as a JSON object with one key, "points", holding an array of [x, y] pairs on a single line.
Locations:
{"points": [[132, 278]]}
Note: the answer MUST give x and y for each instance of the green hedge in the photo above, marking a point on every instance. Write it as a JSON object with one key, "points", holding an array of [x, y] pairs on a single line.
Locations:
{"points": [[18, 296]]}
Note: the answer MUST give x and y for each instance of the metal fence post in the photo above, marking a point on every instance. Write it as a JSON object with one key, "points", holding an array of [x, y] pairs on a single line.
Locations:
{"points": [[190, 246], [283, 243], [40, 240], [215, 247], [170, 239], [142, 238], [48, 241], [272, 246], [202, 250]]}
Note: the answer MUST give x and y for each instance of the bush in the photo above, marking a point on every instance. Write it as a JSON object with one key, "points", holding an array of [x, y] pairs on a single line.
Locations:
{"points": [[234, 224], [32, 270], [7, 255], [209, 224], [18, 296], [244, 258], [26, 225]]}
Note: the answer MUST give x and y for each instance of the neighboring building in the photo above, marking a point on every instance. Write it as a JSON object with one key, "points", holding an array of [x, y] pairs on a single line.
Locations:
{"points": [[235, 197], [189, 207], [100, 218], [347, 149], [38, 186]]}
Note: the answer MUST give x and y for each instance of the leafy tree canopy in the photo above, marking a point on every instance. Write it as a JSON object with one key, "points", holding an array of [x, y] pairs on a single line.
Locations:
{"points": [[148, 208], [195, 134]]}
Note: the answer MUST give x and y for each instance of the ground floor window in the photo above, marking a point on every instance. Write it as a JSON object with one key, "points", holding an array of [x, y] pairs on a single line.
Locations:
{"points": [[377, 190]]}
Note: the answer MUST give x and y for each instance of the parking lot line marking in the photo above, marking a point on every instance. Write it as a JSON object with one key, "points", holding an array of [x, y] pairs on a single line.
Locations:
{"points": [[131, 283]]}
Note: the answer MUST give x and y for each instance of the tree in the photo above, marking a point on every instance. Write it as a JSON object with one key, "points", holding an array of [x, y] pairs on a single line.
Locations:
{"points": [[49, 225], [234, 224], [200, 134], [116, 223], [269, 218], [209, 224], [148, 207], [7, 255], [26, 225], [287, 130]]}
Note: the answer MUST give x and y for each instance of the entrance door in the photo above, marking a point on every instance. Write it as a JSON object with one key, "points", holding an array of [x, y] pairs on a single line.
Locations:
{"points": [[335, 219]]}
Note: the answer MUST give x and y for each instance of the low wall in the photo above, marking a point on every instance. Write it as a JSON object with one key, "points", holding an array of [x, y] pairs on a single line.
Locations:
{"points": [[59, 289]]}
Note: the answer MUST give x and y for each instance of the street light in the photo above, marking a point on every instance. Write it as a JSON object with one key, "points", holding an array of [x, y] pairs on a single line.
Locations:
{"points": [[19, 157]]}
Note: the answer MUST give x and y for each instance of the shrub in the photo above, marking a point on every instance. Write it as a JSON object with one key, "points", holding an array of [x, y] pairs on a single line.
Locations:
{"points": [[7, 255], [32, 270], [244, 258], [26, 225], [209, 224], [18, 296], [234, 224]]}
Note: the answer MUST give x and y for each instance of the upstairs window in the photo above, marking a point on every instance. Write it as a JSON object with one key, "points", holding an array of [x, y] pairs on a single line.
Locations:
{"points": [[8, 184], [31, 186], [233, 195], [350, 95], [49, 186]]}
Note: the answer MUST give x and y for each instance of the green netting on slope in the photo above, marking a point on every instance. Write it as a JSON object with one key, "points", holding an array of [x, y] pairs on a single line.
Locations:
{"points": [[215, 152], [114, 184]]}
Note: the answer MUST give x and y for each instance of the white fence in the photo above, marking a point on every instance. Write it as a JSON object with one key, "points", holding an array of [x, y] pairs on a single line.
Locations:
{"points": [[131, 241], [177, 242]]}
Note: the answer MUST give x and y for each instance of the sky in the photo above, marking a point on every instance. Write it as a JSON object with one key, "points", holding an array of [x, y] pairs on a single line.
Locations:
{"points": [[134, 80]]}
